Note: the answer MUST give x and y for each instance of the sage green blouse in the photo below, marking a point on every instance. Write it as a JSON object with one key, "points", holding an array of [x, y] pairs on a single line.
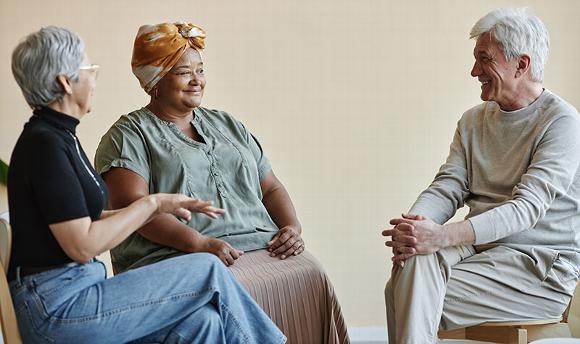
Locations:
{"points": [[226, 169]]}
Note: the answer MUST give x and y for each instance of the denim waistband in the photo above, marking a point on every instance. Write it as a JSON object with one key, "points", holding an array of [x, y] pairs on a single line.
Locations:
{"points": [[19, 277]]}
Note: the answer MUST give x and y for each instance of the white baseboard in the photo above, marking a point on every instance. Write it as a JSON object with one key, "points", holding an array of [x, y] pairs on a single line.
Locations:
{"points": [[368, 335]]}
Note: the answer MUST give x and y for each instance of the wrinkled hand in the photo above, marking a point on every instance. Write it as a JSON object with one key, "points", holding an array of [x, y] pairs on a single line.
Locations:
{"points": [[402, 242], [286, 242], [403, 239], [224, 251], [430, 236], [182, 206], [414, 233]]}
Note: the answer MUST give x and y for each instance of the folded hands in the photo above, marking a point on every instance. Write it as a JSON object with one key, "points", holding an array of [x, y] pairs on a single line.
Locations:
{"points": [[412, 235]]}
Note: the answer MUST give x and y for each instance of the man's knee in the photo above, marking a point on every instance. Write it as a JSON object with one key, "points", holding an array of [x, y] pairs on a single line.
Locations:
{"points": [[419, 268], [414, 263], [389, 289]]}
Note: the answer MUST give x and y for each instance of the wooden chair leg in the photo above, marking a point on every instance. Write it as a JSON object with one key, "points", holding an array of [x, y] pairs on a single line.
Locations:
{"points": [[560, 330], [515, 334], [519, 336]]}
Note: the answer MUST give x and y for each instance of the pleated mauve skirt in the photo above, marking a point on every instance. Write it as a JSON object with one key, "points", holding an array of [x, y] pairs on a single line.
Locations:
{"points": [[297, 295]]}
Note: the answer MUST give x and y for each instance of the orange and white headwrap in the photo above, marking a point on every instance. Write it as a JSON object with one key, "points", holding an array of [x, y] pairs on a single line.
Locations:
{"points": [[158, 47]]}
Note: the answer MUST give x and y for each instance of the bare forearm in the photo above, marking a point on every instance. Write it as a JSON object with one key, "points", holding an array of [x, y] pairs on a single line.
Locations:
{"points": [[281, 209], [166, 230], [107, 213], [82, 239], [113, 229]]}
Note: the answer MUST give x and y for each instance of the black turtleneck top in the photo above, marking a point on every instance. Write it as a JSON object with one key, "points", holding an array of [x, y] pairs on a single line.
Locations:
{"points": [[50, 180]]}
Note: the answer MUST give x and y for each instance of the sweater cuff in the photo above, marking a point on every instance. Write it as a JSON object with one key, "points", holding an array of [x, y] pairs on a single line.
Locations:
{"points": [[483, 229], [426, 209]]}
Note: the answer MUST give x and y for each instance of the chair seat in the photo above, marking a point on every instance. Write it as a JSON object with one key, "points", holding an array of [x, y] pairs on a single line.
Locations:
{"points": [[512, 331], [523, 323]]}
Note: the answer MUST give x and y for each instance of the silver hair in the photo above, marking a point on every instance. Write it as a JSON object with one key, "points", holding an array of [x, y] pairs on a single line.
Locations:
{"points": [[518, 33], [41, 57]]}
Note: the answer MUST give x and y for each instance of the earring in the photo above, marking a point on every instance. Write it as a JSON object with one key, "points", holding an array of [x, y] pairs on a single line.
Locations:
{"points": [[156, 93]]}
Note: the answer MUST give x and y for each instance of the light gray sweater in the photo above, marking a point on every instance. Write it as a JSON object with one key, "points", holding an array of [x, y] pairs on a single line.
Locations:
{"points": [[517, 171]]}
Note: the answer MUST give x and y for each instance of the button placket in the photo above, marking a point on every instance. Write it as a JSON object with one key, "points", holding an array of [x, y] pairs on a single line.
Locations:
{"points": [[215, 172]]}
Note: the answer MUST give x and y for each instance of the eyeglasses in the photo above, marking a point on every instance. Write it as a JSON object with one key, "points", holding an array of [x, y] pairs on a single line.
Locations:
{"points": [[94, 68]]}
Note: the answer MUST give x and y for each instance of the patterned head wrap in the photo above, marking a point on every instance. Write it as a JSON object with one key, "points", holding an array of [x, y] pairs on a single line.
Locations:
{"points": [[157, 49]]}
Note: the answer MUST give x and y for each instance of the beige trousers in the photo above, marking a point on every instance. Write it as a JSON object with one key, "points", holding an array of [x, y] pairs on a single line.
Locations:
{"points": [[457, 287]]}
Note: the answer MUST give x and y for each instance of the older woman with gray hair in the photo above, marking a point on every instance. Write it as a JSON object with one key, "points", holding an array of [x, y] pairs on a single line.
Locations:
{"points": [[514, 161], [60, 292], [173, 144]]}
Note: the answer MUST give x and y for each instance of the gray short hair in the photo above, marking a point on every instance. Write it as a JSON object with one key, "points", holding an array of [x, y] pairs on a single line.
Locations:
{"points": [[518, 33], [41, 57]]}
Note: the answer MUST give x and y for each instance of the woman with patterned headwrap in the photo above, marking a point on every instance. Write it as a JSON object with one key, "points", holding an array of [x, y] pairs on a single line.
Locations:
{"points": [[175, 145], [61, 294]]}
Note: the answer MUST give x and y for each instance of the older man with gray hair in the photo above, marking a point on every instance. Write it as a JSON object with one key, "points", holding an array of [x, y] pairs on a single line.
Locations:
{"points": [[514, 161]]}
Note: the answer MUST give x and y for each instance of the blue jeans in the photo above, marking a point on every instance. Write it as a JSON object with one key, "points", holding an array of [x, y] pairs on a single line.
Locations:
{"points": [[188, 299]]}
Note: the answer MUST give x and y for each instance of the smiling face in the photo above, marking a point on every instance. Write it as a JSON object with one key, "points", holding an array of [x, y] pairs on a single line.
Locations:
{"points": [[497, 75], [182, 88]]}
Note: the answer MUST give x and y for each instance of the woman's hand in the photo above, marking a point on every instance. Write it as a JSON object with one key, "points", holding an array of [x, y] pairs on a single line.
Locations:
{"points": [[286, 242], [224, 251], [82, 239], [182, 206]]}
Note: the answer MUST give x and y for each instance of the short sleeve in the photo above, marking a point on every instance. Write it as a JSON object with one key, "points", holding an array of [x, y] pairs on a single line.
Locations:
{"points": [[123, 146], [262, 161], [255, 147], [54, 181]]}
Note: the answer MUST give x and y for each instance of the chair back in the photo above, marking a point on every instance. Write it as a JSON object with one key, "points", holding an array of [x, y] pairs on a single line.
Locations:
{"points": [[8, 321], [5, 243]]}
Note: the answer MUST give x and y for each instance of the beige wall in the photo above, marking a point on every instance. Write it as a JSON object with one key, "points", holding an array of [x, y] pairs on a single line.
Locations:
{"points": [[354, 101]]}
